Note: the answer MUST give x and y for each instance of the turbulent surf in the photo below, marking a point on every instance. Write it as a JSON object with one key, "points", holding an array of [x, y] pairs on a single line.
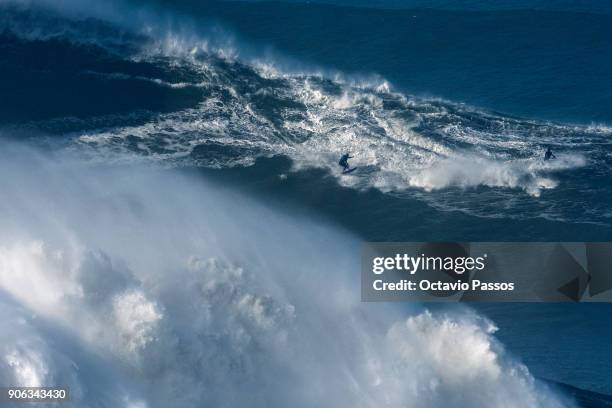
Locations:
{"points": [[177, 100], [130, 277]]}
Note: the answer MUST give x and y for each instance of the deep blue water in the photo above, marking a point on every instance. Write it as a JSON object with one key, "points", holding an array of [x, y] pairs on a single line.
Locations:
{"points": [[490, 87], [591, 6], [553, 339], [534, 63]]}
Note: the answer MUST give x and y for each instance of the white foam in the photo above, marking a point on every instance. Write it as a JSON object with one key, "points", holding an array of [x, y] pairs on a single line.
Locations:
{"points": [[389, 143], [471, 171], [429, 144], [401, 143], [154, 289]]}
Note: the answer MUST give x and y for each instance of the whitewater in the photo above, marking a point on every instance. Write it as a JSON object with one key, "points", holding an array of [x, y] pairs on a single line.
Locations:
{"points": [[249, 105], [138, 284], [143, 288]]}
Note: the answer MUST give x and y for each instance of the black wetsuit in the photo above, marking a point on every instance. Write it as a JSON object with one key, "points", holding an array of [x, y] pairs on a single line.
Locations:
{"points": [[549, 155], [344, 162]]}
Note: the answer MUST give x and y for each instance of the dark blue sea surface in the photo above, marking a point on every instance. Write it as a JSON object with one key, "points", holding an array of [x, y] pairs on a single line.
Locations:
{"points": [[552, 340], [447, 113], [545, 64], [591, 6]]}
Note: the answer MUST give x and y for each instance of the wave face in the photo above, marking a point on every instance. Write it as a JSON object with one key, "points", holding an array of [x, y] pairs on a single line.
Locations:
{"points": [[170, 99], [139, 288]]}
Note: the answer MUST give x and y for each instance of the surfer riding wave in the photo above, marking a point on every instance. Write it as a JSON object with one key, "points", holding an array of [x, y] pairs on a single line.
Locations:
{"points": [[344, 163]]}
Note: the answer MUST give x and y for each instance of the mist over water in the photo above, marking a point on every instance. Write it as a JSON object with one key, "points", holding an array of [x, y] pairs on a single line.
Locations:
{"points": [[198, 100], [139, 285], [151, 288]]}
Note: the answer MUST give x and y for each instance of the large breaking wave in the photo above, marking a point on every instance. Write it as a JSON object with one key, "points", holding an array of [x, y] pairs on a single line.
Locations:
{"points": [[140, 288], [252, 107]]}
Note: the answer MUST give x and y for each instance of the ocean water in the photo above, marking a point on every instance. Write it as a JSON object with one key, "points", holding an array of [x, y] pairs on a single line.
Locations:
{"points": [[181, 232], [543, 64]]}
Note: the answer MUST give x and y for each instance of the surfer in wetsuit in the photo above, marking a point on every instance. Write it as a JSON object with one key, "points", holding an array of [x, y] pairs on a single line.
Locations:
{"points": [[344, 162], [549, 154]]}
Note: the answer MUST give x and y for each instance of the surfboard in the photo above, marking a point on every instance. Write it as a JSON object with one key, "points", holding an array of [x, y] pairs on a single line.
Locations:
{"points": [[349, 170]]}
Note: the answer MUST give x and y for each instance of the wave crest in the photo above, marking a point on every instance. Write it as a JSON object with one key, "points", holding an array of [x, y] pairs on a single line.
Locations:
{"points": [[170, 292]]}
